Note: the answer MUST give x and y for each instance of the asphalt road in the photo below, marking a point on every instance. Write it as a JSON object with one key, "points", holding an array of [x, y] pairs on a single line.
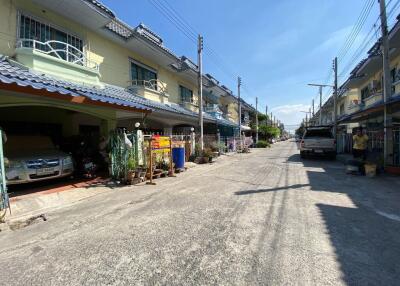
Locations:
{"points": [[264, 218]]}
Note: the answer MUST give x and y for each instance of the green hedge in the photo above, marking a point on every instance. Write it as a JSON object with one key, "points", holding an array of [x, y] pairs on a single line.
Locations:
{"points": [[262, 144]]}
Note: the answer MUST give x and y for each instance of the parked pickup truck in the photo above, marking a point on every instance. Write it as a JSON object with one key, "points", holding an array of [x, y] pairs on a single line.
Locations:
{"points": [[319, 141]]}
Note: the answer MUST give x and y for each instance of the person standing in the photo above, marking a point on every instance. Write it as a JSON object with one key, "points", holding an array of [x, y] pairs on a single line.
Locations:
{"points": [[360, 144]]}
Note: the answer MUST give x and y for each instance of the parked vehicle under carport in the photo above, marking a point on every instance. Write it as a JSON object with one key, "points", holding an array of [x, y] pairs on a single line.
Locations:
{"points": [[34, 158]]}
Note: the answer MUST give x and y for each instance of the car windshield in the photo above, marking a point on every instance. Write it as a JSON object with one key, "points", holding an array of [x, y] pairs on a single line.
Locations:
{"points": [[313, 133], [22, 144]]}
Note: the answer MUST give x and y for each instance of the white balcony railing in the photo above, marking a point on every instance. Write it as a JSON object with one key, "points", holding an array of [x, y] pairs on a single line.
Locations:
{"points": [[60, 50], [150, 84], [212, 109]]}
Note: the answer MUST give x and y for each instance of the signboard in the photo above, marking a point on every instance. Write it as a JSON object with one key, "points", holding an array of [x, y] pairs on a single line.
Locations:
{"points": [[161, 144]]}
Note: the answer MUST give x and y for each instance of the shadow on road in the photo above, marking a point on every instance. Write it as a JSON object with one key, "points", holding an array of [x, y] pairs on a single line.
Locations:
{"points": [[249, 192], [366, 245], [366, 235]]}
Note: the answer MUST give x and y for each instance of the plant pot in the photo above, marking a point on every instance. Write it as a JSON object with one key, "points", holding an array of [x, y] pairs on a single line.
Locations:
{"points": [[129, 177], [202, 160]]}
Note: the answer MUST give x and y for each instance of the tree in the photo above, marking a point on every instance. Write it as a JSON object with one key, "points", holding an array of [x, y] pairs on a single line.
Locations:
{"points": [[300, 130], [268, 132], [262, 117]]}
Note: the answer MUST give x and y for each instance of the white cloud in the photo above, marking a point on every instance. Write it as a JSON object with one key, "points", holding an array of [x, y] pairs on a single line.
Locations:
{"points": [[290, 114]]}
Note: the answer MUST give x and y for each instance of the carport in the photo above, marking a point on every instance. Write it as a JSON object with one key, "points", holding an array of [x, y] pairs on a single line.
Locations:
{"points": [[33, 104]]}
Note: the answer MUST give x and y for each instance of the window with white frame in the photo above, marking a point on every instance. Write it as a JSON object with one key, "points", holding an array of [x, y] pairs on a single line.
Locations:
{"points": [[186, 94], [36, 34], [141, 75]]}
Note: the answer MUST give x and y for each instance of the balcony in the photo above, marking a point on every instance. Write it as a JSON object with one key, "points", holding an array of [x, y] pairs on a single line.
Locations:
{"points": [[57, 58], [355, 105], [150, 89], [213, 110], [373, 98]]}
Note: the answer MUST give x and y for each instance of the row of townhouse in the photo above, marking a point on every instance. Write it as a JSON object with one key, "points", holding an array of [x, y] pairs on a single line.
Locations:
{"points": [[70, 68], [360, 103]]}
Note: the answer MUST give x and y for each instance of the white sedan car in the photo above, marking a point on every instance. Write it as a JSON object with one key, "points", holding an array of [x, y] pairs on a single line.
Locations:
{"points": [[34, 158]]}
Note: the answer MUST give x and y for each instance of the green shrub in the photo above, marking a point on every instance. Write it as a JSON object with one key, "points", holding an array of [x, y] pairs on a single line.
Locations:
{"points": [[262, 144]]}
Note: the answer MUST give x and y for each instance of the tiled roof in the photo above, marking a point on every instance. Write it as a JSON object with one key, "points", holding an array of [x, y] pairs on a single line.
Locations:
{"points": [[100, 6], [120, 29], [16, 74]]}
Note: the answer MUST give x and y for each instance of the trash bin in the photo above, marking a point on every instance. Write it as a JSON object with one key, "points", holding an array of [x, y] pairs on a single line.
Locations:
{"points": [[178, 157]]}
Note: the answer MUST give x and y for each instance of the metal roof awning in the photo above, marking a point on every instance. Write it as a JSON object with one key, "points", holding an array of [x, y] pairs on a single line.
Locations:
{"points": [[15, 77]]}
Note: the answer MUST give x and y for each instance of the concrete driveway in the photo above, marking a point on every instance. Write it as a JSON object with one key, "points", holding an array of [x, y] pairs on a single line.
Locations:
{"points": [[265, 218]]}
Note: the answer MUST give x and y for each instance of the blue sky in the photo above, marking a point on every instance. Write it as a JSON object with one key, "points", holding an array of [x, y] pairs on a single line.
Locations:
{"points": [[277, 47]]}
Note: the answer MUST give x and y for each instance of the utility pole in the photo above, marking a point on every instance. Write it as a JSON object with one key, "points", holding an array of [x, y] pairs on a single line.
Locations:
{"points": [[386, 80], [335, 94], [240, 109], [320, 105], [320, 86], [256, 120], [270, 119], [313, 108], [200, 89], [306, 119]]}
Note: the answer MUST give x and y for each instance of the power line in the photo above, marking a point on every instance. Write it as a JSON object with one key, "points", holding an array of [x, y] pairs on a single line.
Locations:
{"points": [[176, 19], [356, 29], [367, 40]]}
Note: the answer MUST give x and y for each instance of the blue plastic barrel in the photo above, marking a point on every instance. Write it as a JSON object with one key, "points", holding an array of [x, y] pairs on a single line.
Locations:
{"points": [[178, 157]]}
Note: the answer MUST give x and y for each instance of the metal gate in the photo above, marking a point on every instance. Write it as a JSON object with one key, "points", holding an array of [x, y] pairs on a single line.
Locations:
{"points": [[4, 201], [396, 147]]}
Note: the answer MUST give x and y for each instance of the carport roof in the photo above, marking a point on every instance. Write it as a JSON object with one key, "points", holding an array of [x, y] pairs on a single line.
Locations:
{"points": [[14, 73]]}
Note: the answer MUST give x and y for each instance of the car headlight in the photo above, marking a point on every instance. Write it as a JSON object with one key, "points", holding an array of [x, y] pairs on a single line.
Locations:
{"points": [[67, 160], [14, 164]]}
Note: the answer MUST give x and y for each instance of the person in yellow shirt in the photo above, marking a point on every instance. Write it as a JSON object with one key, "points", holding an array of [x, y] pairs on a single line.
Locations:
{"points": [[360, 144]]}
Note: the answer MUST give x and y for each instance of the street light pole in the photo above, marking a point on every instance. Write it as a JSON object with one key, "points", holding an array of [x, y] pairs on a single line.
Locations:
{"points": [[306, 112]]}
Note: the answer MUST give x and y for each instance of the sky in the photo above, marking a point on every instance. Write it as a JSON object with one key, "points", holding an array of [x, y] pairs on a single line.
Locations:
{"points": [[277, 47]]}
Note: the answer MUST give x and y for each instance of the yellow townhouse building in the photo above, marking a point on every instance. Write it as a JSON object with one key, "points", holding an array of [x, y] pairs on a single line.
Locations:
{"points": [[87, 69]]}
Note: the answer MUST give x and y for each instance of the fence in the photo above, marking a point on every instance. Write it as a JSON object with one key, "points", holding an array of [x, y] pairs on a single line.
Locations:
{"points": [[4, 201], [396, 146], [344, 143], [375, 140]]}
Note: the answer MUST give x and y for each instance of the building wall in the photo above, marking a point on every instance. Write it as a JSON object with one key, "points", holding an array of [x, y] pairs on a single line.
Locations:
{"points": [[394, 63], [113, 58]]}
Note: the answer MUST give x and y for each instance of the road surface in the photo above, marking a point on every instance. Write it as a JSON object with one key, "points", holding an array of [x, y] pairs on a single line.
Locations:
{"points": [[265, 218]]}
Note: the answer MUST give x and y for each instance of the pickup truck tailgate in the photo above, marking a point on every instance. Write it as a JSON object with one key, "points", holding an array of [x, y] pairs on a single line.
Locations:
{"points": [[319, 143]]}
